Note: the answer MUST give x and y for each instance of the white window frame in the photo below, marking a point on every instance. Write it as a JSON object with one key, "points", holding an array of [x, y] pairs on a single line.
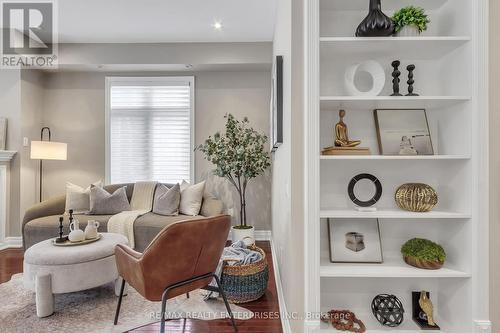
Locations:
{"points": [[142, 80]]}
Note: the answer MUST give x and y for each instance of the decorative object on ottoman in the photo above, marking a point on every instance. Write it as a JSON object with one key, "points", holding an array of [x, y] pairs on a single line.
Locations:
{"points": [[341, 143], [410, 21], [371, 67], [239, 156], [362, 205], [423, 310], [416, 197], [246, 283], [50, 270], [376, 23], [91, 229], [388, 310], [410, 81], [75, 234], [61, 238], [423, 253], [395, 78], [70, 243], [344, 320]]}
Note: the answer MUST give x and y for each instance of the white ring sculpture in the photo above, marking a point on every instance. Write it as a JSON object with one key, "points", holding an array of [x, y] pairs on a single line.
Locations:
{"points": [[371, 67]]}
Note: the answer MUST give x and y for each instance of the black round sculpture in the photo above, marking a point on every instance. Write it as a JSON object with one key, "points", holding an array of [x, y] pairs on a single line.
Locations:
{"points": [[376, 24], [378, 190], [388, 310]]}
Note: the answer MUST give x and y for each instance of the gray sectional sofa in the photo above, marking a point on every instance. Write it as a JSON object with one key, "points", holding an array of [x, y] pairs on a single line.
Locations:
{"points": [[41, 221]]}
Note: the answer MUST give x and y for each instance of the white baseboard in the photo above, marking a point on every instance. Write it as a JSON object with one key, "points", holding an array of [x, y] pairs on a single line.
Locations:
{"points": [[260, 235], [11, 242], [482, 326], [285, 321]]}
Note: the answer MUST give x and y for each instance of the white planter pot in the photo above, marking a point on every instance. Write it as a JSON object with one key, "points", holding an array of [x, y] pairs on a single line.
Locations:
{"points": [[246, 235], [409, 31]]}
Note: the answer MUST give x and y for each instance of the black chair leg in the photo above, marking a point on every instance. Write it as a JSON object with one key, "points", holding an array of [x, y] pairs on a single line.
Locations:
{"points": [[119, 301], [164, 298], [187, 295], [221, 291]]}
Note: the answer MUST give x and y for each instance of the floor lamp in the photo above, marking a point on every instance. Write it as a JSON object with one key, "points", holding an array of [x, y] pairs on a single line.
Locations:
{"points": [[47, 150]]}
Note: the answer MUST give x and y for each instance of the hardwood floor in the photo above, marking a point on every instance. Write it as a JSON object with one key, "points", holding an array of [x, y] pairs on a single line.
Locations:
{"points": [[266, 309]]}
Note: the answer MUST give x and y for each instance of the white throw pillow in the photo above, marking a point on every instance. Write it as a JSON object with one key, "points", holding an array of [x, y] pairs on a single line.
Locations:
{"points": [[78, 198], [191, 198]]}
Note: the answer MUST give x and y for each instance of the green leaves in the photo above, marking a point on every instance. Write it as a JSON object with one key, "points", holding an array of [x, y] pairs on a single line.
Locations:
{"points": [[423, 249], [238, 153], [411, 15]]}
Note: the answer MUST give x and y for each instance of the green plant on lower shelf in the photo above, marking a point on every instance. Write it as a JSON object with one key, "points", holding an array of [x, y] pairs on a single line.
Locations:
{"points": [[423, 249], [411, 15]]}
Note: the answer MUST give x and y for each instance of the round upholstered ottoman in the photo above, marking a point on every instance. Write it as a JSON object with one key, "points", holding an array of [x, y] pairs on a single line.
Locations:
{"points": [[50, 269]]}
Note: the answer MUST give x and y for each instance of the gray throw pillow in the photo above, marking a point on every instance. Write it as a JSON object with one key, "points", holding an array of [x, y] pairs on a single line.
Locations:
{"points": [[104, 203], [167, 200]]}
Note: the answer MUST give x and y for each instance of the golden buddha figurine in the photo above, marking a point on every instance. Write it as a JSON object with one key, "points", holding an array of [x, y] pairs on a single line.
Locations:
{"points": [[341, 137]]}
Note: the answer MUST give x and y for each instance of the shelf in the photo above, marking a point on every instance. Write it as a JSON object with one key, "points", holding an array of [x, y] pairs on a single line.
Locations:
{"points": [[391, 214], [387, 5], [395, 158], [393, 267], [390, 102], [414, 48]]}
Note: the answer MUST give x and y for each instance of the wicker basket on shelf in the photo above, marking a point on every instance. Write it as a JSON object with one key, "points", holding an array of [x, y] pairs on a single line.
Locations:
{"points": [[246, 283]]}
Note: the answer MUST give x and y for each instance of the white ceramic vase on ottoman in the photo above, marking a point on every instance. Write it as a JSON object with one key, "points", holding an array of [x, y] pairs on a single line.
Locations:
{"points": [[50, 269]]}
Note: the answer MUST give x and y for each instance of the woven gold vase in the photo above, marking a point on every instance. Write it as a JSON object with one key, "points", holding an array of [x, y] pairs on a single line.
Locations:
{"points": [[416, 197]]}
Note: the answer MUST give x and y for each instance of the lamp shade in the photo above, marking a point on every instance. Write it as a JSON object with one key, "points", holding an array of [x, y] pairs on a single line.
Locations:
{"points": [[48, 150]]}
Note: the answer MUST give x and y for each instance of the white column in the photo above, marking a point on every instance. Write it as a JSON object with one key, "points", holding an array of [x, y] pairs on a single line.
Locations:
{"points": [[5, 158]]}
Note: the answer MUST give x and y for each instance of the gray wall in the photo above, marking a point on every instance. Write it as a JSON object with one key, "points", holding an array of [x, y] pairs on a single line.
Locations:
{"points": [[73, 107]]}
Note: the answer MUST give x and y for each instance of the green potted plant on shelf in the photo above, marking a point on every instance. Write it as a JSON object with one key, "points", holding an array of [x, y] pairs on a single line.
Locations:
{"points": [[239, 156], [423, 253], [410, 21]]}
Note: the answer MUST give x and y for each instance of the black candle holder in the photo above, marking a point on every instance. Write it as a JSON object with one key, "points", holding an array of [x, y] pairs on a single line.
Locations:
{"points": [[410, 81], [395, 78], [61, 238]]}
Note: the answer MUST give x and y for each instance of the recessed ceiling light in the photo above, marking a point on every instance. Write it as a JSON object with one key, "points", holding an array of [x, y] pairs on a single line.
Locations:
{"points": [[188, 66], [217, 25]]}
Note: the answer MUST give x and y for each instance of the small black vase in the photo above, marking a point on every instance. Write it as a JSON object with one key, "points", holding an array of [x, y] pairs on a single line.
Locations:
{"points": [[376, 24]]}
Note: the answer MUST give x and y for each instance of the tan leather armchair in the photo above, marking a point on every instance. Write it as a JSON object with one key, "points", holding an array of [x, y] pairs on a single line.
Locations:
{"points": [[183, 257]]}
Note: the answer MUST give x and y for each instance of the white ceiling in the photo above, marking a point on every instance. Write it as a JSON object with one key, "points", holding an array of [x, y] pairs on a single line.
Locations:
{"points": [[157, 21]]}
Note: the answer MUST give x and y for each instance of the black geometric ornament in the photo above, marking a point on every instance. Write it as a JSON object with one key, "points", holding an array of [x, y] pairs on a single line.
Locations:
{"points": [[376, 23], [388, 310]]}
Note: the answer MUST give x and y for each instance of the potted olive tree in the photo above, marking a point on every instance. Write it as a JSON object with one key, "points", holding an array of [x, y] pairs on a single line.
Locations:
{"points": [[410, 21], [238, 156]]}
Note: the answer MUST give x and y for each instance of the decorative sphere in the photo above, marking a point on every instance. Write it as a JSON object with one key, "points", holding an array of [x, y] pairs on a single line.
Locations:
{"points": [[388, 310]]}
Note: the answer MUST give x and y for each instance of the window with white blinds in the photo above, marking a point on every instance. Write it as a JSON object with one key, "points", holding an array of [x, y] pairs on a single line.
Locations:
{"points": [[149, 129]]}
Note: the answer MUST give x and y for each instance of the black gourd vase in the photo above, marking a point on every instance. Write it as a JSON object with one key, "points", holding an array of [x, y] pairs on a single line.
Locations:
{"points": [[376, 24]]}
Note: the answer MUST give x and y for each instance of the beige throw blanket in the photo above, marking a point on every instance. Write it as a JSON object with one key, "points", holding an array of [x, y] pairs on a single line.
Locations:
{"points": [[141, 203]]}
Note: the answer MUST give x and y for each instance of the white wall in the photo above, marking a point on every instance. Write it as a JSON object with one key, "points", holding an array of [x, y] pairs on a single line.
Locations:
{"points": [[73, 105], [287, 202]]}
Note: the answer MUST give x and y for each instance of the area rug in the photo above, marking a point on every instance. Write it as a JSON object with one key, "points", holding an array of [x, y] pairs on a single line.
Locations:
{"points": [[93, 310]]}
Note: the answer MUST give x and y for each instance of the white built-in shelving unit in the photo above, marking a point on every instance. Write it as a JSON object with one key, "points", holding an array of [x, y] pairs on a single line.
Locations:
{"points": [[451, 80]]}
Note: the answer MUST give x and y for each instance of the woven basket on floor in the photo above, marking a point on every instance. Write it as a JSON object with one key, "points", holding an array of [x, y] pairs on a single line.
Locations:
{"points": [[246, 283]]}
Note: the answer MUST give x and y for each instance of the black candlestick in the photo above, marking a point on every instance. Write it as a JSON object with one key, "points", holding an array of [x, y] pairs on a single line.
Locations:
{"points": [[61, 239], [410, 81], [395, 78]]}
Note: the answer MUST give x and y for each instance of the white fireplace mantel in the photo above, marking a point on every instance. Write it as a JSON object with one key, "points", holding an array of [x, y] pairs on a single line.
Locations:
{"points": [[5, 158], [7, 155]]}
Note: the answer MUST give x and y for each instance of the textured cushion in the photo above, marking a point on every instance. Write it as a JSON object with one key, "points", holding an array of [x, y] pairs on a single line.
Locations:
{"points": [[167, 200], [211, 207], [104, 203], [191, 198], [78, 198]]}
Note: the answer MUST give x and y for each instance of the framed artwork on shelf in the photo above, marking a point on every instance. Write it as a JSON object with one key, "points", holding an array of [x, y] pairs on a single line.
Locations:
{"points": [[403, 132], [3, 133], [355, 241], [277, 104]]}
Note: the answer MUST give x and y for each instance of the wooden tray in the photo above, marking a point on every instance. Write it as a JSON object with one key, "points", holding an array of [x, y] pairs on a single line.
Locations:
{"points": [[83, 242]]}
